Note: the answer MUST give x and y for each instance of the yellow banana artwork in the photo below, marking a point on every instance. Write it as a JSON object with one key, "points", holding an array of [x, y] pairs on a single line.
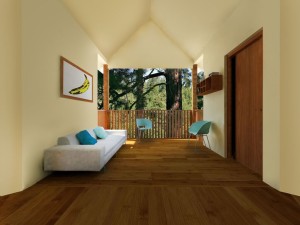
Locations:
{"points": [[81, 89]]}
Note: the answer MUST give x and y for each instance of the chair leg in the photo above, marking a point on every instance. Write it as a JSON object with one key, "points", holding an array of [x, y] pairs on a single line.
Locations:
{"points": [[138, 134], [203, 140], [207, 141]]}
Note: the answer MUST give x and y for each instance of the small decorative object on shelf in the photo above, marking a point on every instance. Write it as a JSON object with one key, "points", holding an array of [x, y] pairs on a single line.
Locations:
{"points": [[214, 73], [200, 76], [213, 83]]}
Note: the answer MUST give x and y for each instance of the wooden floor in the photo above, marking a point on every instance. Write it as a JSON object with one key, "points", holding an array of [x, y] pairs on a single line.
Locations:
{"points": [[157, 182]]}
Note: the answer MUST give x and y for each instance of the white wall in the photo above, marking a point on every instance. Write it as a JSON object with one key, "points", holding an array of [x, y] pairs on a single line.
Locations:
{"points": [[150, 47], [48, 32], [10, 97], [290, 93], [249, 17]]}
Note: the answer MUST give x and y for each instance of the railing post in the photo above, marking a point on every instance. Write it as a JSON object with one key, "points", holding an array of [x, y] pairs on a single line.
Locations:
{"points": [[194, 89], [166, 123], [103, 120], [106, 95]]}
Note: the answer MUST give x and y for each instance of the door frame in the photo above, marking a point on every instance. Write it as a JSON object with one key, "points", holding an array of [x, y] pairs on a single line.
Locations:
{"points": [[229, 106]]}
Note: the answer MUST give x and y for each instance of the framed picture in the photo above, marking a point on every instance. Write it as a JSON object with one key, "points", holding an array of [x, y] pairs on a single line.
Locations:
{"points": [[75, 82]]}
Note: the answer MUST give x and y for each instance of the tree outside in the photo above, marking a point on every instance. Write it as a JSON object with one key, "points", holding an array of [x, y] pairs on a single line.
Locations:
{"points": [[132, 89]]}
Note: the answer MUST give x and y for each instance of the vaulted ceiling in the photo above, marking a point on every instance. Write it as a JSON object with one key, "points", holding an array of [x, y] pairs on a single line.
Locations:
{"points": [[149, 33]]}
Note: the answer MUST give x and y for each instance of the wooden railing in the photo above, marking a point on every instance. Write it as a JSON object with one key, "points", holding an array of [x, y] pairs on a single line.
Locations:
{"points": [[165, 123]]}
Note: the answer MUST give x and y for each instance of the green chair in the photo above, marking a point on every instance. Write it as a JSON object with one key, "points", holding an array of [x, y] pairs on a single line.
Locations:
{"points": [[142, 125], [200, 128]]}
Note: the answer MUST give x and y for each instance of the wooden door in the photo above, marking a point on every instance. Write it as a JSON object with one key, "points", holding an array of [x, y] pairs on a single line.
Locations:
{"points": [[248, 78]]}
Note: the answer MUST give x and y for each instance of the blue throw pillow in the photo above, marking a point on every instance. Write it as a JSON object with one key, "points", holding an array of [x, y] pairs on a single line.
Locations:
{"points": [[85, 138], [100, 132]]}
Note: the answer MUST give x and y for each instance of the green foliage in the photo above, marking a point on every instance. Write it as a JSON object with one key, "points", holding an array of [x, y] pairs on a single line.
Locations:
{"points": [[139, 90], [146, 88], [156, 99], [186, 98]]}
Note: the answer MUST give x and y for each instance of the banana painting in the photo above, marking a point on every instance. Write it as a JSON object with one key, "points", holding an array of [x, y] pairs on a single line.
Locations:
{"points": [[81, 89]]}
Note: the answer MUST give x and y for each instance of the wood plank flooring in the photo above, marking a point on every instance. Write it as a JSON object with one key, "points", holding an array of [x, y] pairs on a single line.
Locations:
{"points": [[154, 182]]}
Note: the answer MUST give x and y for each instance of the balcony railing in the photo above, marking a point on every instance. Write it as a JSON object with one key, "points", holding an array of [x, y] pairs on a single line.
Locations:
{"points": [[165, 123]]}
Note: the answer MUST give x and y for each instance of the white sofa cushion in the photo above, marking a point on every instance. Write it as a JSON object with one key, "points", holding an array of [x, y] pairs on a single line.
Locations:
{"points": [[68, 140], [69, 155], [71, 139], [110, 142]]}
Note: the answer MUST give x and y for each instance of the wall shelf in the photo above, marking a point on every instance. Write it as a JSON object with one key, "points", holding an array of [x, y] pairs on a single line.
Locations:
{"points": [[211, 84]]}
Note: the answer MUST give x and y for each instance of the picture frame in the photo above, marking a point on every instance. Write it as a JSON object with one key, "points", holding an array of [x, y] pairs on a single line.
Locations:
{"points": [[75, 83]]}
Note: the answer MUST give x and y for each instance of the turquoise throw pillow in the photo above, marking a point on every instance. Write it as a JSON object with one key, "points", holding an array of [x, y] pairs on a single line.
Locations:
{"points": [[85, 138], [100, 132]]}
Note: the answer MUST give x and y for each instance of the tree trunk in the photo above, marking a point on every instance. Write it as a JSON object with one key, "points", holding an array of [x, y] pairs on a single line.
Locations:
{"points": [[174, 101], [173, 89], [140, 98]]}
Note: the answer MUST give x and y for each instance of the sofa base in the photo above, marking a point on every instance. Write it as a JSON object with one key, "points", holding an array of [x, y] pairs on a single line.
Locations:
{"points": [[75, 157]]}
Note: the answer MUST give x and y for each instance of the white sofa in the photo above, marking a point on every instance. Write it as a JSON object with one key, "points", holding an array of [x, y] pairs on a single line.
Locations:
{"points": [[69, 155]]}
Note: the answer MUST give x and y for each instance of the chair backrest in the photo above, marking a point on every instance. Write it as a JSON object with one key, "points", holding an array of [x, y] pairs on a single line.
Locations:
{"points": [[200, 127], [142, 122]]}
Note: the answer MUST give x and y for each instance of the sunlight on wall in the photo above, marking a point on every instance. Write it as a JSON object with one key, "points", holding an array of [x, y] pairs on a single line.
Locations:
{"points": [[101, 62], [199, 62]]}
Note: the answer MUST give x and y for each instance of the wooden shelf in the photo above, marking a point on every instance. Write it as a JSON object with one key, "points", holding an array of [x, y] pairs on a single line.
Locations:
{"points": [[211, 84]]}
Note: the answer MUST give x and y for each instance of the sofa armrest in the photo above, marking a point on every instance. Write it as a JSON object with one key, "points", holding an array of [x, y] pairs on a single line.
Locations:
{"points": [[117, 132], [74, 158]]}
